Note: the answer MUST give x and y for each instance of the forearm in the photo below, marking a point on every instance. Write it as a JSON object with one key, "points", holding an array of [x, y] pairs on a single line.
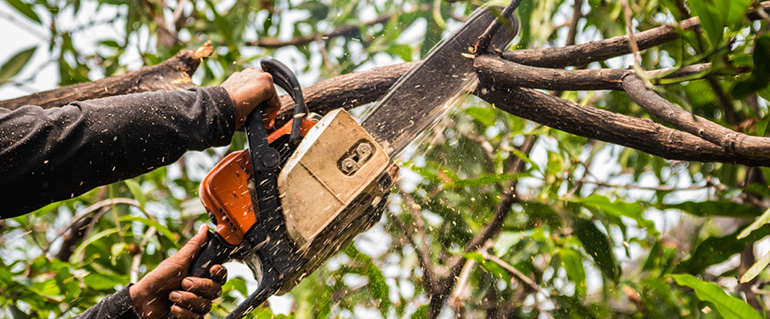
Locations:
{"points": [[55, 154], [115, 306]]}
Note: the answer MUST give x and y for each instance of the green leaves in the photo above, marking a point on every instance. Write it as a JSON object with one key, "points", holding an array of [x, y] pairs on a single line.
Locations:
{"points": [[728, 307], [715, 250], [15, 64], [760, 75], [598, 246], [755, 269], [715, 15], [716, 208], [25, 9], [620, 208], [573, 265], [136, 190]]}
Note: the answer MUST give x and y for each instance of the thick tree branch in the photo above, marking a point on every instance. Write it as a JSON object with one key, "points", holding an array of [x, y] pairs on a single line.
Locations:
{"points": [[641, 134], [582, 54], [346, 91], [731, 141], [172, 74]]}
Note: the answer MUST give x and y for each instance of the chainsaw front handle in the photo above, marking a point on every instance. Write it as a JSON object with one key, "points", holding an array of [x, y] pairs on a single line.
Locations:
{"points": [[285, 78]]}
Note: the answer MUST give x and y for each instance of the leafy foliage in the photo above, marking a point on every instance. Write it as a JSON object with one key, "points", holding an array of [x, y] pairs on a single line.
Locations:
{"points": [[598, 230]]}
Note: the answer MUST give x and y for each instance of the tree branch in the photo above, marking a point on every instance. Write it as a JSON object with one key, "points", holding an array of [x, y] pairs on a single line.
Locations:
{"points": [[172, 74], [731, 141], [582, 54], [573, 24], [641, 134]]}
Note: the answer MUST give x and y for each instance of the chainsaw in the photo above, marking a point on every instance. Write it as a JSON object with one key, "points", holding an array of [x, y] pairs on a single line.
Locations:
{"points": [[295, 197]]}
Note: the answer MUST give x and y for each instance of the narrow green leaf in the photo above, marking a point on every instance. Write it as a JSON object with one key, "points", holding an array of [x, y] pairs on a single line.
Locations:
{"points": [[149, 222], [485, 180], [379, 286], [420, 313], [25, 9], [735, 13], [715, 250], [402, 50], [116, 251], [16, 313], [484, 115], [573, 264], [15, 64], [136, 190], [716, 208], [598, 246], [727, 306], [710, 19], [760, 74], [236, 284], [104, 281], [759, 222], [79, 251], [756, 268], [491, 266], [621, 208], [506, 240]]}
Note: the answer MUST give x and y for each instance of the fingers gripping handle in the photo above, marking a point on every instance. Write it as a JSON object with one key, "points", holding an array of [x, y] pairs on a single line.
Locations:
{"points": [[216, 252]]}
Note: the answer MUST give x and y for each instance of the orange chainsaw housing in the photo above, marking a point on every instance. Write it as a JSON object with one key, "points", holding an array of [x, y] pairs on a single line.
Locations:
{"points": [[225, 192]]}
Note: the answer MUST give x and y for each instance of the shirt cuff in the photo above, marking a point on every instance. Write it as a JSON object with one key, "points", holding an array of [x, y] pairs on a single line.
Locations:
{"points": [[124, 304]]}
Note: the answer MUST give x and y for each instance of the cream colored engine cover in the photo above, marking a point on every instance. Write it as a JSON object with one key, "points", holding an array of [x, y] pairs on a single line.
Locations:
{"points": [[334, 164]]}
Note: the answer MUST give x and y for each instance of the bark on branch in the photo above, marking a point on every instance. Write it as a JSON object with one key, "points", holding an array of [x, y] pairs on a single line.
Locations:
{"points": [[172, 74], [729, 140], [641, 134]]}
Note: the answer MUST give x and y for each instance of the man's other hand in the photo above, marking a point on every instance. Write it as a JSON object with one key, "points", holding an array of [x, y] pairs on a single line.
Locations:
{"points": [[250, 88], [167, 289]]}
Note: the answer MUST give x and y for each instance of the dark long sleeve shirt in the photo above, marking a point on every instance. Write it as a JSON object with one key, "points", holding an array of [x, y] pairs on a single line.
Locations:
{"points": [[115, 306], [48, 155]]}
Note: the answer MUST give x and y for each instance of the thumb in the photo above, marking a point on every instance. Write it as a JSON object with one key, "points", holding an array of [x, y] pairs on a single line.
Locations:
{"points": [[186, 255]]}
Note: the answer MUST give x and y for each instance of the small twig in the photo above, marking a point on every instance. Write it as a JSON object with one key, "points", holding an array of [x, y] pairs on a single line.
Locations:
{"points": [[573, 24], [631, 39], [432, 272], [462, 290], [484, 253], [137, 261], [486, 38], [178, 13], [652, 188]]}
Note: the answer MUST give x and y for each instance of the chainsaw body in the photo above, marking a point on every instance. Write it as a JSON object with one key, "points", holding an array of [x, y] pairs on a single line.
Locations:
{"points": [[285, 206], [296, 197]]}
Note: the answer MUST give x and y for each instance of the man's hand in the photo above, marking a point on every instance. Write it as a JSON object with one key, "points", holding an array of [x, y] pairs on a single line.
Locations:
{"points": [[191, 296], [248, 89]]}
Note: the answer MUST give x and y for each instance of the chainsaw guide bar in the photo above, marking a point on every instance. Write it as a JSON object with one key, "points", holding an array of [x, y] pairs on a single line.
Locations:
{"points": [[427, 90]]}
